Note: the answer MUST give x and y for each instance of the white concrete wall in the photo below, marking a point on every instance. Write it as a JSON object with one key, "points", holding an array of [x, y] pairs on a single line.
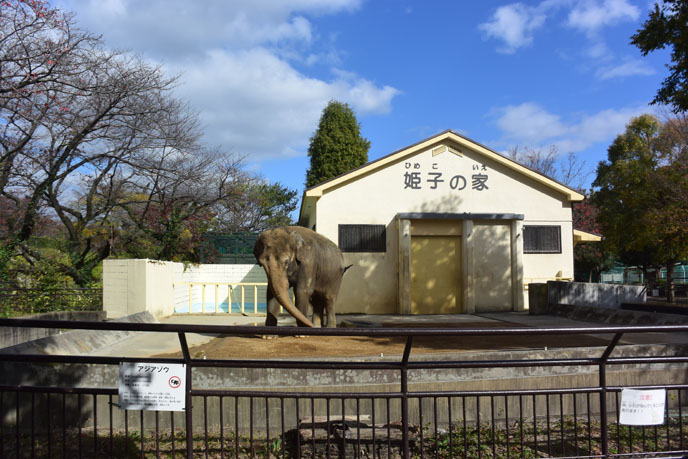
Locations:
{"points": [[220, 273], [541, 267], [596, 295], [132, 286], [115, 287], [156, 285]]}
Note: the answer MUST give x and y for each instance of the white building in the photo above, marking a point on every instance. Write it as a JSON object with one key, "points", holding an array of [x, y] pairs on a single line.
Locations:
{"points": [[444, 226]]}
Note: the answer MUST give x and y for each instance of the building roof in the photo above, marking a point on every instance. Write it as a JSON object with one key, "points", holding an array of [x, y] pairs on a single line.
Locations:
{"points": [[584, 236], [446, 141]]}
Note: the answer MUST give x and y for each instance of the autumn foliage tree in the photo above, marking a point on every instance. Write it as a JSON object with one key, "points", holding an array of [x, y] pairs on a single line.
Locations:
{"points": [[589, 257], [642, 194], [94, 142], [77, 117]]}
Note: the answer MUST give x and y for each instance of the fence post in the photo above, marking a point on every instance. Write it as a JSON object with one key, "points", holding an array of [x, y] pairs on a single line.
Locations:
{"points": [[188, 409], [190, 297], [604, 429], [217, 298], [404, 398], [203, 299]]}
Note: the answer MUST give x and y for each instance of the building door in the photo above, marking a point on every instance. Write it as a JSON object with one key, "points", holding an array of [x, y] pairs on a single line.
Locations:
{"points": [[492, 267], [436, 274]]}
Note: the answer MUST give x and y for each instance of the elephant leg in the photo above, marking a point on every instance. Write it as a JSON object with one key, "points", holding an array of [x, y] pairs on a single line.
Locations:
{"points": [[329, 298], [317, 312], [273, 309], [329, 307], [303, 304]]}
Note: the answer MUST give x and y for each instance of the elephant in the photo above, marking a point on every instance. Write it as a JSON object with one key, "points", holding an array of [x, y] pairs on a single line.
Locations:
{"points": [[299, 258]]}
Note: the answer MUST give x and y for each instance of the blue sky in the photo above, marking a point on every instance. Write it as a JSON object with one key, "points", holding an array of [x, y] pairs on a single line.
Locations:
{"points": [[535, 74]]}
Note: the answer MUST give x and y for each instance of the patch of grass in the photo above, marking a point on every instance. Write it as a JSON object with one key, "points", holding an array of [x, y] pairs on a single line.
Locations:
{"points": [[572, 437], [131, 445], [567, 437]]}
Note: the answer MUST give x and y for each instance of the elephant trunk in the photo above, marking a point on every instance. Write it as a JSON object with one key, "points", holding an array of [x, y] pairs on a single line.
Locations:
{"points": [[280, 288]]}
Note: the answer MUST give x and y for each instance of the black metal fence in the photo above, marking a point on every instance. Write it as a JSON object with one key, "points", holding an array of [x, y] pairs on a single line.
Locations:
{"points": [[234, 248], [60, 420], [23, 301]]}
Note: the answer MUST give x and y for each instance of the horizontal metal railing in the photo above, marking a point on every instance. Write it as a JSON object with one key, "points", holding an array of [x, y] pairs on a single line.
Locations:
{"points": [[213, 295], [280, 422]]}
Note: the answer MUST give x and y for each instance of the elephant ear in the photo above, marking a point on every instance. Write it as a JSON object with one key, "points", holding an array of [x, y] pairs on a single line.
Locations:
{"points": [[304, 252]]}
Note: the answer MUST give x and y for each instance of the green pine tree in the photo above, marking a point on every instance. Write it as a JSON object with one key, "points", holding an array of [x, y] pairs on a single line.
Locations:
{"points": [[336, 146]]}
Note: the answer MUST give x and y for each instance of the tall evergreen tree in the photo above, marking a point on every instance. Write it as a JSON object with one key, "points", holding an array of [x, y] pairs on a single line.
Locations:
{"points": [[336, 146]]}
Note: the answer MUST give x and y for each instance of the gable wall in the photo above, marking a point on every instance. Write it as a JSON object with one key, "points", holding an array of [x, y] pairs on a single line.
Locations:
{"points": [[372, 285]]}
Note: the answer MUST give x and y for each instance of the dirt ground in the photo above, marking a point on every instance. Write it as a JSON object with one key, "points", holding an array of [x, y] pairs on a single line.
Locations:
{"points": [[257, 347]]}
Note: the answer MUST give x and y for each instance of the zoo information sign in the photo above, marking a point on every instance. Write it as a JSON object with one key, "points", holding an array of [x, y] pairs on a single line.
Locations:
{"points": [[152, 386]]}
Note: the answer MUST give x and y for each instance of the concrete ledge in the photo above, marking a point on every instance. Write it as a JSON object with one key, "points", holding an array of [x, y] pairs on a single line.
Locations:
{"points": [[78, 342], [355, 381], [616, 316], [586, 294], [11, 336]]}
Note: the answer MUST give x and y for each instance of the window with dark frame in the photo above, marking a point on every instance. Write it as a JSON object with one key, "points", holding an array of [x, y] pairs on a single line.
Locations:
{"points": [[362, 238], [541, 239]]}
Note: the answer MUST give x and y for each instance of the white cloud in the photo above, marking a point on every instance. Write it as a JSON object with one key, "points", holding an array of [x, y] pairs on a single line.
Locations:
{"points": [[237, 60], [362, 94], [170, 29], [625, 69], [599, 51], [514, 24], [532, 125], [113, 7], [591, 15], [254, 102], [529, 122]]}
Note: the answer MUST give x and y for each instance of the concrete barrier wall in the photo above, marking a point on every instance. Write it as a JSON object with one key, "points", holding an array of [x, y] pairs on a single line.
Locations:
{"points": [[598, 295], [353, 381], [77, 342], [133, 286], [11, 336]]}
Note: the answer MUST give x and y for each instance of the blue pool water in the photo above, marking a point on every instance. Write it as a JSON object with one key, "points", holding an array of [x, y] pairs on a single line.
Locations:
{"points": [[221, 308]]}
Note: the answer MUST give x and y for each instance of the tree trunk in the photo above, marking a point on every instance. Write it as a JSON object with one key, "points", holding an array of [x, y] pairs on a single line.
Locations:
{"points": [[670, 282]]}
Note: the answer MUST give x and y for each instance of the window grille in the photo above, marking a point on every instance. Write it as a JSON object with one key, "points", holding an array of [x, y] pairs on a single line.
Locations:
{"points": [[362, 238], [541, 239]]}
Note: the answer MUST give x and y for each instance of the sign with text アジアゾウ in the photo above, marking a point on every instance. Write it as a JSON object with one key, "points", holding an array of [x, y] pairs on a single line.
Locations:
{"points": [[152, 386]]}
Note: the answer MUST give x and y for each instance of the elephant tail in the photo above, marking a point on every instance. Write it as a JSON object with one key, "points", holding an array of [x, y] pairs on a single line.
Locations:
{"points": [[346, 268]]}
